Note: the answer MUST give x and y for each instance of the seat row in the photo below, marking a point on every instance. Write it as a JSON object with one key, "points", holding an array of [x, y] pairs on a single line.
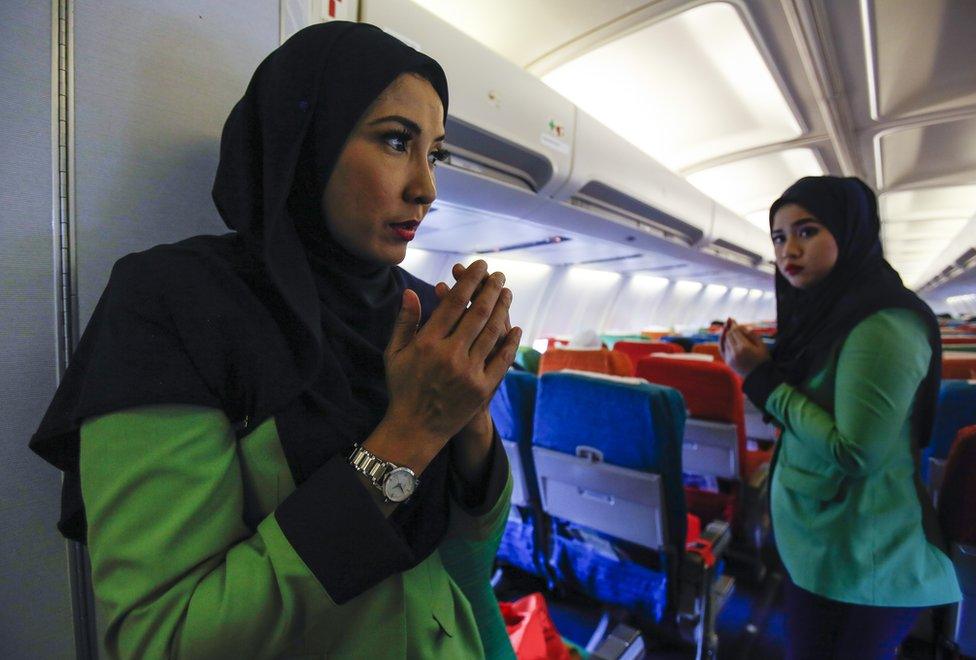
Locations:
{"points": [[954, 494], [599, 506]]}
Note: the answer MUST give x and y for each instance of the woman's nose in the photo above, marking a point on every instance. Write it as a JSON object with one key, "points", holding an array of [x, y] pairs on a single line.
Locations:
{"points": [[791, 248], [421, 189]]}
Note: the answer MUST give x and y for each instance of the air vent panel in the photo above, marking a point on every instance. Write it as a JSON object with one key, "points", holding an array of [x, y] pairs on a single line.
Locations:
{"points": [[609, 199], [477, 150]]}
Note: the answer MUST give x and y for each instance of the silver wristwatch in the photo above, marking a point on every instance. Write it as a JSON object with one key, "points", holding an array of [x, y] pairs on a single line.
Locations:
{"points": [[396, 482]]}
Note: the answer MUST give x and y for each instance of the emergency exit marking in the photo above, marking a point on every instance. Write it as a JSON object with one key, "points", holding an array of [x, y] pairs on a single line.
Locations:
{"points": [[332, 8]]}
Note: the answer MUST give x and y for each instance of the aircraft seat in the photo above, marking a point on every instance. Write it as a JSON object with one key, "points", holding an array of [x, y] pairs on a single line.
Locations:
{"points": [[715, 444], [956, 408], [957, 501], [607, 455], [686, 343], [596, 360], [635, 350], [709, 348], [959, 365], [512, 409], [959, 339], [713, 393], [528, 358]]}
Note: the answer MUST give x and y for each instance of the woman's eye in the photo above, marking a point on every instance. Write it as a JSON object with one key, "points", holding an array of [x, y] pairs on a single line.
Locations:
{"points": [[808, 232], [777, 239], [397, 141], [437, 156]]}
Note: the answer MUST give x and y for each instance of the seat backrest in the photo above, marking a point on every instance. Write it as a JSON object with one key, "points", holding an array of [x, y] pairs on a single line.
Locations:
{"points": [[959, 339], [513, 409], [635, 350], [711, 390], [597, 360], [619, 452], [684, 342], [528, 358], [709, 348], [957, 497], [956, 408], [958, 365]]}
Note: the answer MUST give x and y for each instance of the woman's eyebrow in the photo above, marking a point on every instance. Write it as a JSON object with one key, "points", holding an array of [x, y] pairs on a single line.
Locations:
{"points": [[795, 224], [408, 124]]}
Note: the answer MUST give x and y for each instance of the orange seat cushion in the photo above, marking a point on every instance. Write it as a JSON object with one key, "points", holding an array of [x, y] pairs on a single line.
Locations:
{"points": [[598, 360]]}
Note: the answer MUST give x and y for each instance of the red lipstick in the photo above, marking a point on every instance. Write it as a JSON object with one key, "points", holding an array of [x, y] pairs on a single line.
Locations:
{"points": [[405, 230], [792, 269]]}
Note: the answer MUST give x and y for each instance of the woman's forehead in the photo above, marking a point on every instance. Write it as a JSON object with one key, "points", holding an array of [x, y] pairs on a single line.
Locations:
{"points": [[791, 214], [413, 97]]}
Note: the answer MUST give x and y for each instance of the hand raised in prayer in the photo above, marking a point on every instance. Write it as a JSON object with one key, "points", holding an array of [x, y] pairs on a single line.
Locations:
{"points": [[741, 349], [473, 442], [442, 376]]}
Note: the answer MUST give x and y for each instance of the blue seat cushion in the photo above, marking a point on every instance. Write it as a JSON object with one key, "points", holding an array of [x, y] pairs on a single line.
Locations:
{"points": [[956, 408]]}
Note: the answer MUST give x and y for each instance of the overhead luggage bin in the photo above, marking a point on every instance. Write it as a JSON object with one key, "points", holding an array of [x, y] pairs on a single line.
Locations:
{"points": [[510, 136], [612, 175], [613, 179], [735, 238]]}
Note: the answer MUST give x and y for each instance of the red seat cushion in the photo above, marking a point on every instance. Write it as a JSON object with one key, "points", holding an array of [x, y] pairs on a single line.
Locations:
{"points": [[957, 498]]}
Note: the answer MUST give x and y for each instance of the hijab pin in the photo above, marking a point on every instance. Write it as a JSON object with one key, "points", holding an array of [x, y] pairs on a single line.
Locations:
{"points": [[303, 105]]}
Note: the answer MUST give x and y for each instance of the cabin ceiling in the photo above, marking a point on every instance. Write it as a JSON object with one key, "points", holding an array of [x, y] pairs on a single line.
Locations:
{"points": [[743, 97]]}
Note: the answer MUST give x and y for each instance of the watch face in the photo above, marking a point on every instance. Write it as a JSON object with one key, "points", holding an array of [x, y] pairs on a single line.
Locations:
{"points": [[399, 484]]}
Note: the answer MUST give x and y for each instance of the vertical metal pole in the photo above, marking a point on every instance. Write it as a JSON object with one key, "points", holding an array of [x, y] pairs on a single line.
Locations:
{"points": [[65, 271]]}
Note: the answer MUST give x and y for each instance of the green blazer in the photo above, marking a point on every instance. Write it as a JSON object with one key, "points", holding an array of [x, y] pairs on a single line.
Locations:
{"points": [[847, 517], [188, 560]]}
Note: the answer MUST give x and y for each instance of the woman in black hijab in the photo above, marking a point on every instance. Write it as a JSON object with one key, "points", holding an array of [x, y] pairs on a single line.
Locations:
{"points": [[852, 382], [273, 443]]}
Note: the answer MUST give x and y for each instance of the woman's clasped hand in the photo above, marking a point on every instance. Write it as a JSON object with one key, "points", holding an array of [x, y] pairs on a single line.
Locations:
{"points": [[442, 375], [742, 350]]}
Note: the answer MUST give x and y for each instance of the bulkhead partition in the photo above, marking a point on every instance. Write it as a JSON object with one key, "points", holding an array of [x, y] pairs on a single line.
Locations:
{"points": [[35, 598]]}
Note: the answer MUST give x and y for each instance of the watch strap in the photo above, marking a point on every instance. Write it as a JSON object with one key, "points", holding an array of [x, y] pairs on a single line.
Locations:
{"points": [[370, 465]]}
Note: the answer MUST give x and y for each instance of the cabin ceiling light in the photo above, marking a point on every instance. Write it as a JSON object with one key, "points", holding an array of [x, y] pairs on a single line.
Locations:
{"points": [[716, 289], [650, 282], [687, 286], [750, 185], [511, 267], [686, 89], [593, 276]]}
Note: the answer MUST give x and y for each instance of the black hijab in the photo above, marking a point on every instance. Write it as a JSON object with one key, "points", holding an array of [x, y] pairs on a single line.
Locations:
{"points": [[811, 322], [276, 318]]}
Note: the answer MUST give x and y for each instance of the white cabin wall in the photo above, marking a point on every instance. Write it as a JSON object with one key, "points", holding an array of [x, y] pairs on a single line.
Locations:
{"points": [[578, 299], [529, 283], [639, 305], [35, 600], [430, 266]]}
